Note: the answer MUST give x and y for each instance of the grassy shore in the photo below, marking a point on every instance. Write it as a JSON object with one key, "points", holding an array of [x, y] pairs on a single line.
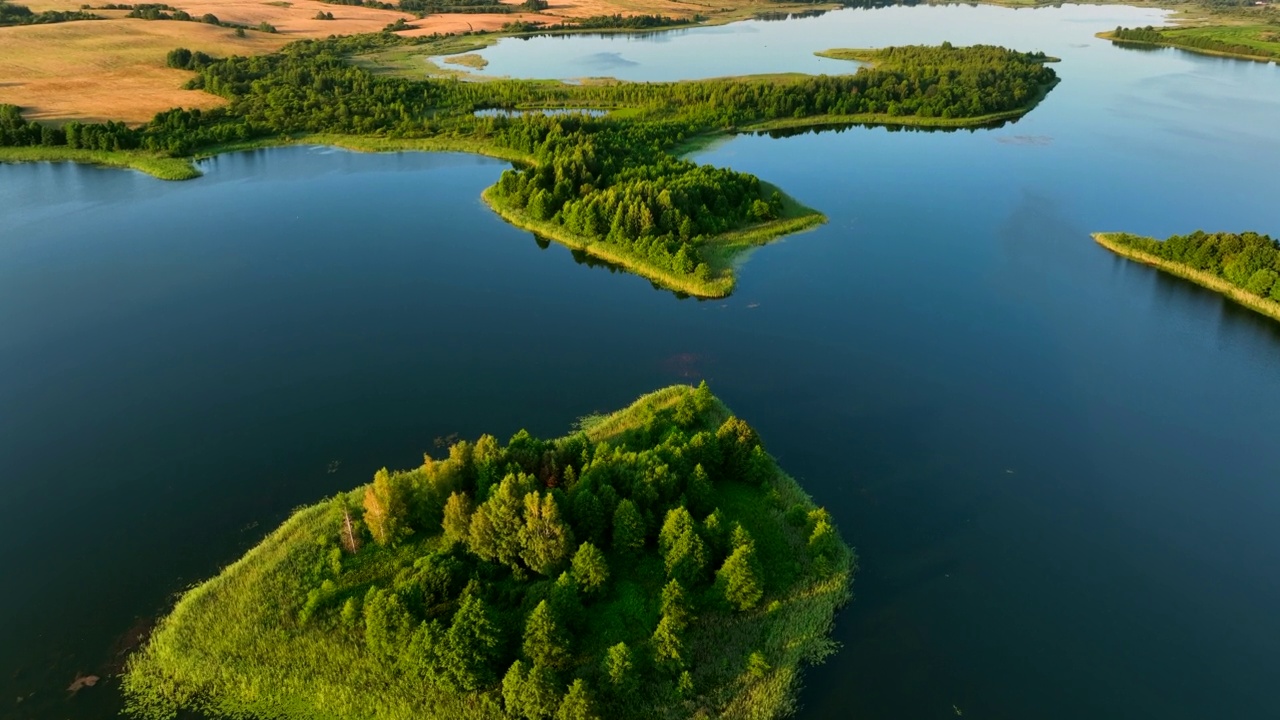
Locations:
{"points": [[1267, 307], [160, 166], [1253, 37], [721, 253], [235, 646]]}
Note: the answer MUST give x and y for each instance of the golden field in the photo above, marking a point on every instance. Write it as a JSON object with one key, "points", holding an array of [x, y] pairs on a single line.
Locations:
{"points": [[114, 69]]}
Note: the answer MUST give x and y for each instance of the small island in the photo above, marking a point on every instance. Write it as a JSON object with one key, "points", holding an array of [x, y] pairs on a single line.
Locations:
{"points": [[654, 563], [612, 181], [1244, 267]]}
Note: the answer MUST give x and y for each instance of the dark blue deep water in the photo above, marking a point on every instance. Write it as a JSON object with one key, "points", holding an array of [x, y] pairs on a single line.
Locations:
{"points": [[1059, 468]]}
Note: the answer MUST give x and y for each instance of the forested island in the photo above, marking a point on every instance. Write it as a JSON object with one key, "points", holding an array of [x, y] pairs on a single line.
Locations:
{"points": [[1242, 266], [614, 186], [654, 563]]}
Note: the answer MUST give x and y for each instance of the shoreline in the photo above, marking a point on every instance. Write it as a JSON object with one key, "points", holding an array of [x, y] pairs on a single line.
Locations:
{"points": [[1259, 305], [1109, 36], [729, 244]]}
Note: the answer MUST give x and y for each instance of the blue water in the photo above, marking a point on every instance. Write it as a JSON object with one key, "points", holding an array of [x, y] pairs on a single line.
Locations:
{"points": [[1058, 467]]}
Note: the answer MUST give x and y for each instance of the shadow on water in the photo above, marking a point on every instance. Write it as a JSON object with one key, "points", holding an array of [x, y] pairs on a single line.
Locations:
{"points": [[585, 259]]}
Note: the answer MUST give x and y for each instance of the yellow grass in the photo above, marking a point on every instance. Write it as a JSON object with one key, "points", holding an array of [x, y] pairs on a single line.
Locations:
{"points": [[1267, 307]]}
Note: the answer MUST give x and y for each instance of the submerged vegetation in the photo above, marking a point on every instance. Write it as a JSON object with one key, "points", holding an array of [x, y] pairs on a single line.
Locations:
{"points": [[1242, 266], [611, 185], [655, 563]]}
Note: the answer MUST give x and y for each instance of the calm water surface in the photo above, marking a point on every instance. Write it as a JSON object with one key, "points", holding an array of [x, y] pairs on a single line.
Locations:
{"points": [[1059, 468]]}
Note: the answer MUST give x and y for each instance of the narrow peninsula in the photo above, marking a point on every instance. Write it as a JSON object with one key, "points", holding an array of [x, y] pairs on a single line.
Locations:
{"points": [[1260, 43], [1244, 267], [610, 180], [655, 563]]}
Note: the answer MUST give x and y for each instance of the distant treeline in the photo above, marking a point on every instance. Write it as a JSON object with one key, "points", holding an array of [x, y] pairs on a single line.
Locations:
{"points": [[161, 11], [11, 14], [1155, 36], [1248, 260]]}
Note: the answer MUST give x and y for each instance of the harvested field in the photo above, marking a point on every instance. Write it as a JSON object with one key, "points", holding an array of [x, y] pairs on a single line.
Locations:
{"points": [[98, 70]]}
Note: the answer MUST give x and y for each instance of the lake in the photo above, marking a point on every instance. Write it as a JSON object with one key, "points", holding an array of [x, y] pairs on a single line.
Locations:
{"points": [[1058, 467]]}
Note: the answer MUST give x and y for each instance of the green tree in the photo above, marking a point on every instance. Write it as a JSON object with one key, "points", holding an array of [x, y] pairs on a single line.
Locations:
{"points": [[578, 704], [824, 542], [545, 539], [386, 623], [531, 693], [1261, 282], [677, 522], [700, 492], [675, 604], [628, 529], [738, 579], [588, 515], [686, 560], [457, 518], [619, 669], [668, 646], [590, 568], [473, 642], [386, 508], [545, 640], [504, 515]]}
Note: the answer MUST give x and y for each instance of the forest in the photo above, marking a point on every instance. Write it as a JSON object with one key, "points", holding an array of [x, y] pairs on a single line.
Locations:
{"points": [[613, 185], [1248, 261], [654, 563]]}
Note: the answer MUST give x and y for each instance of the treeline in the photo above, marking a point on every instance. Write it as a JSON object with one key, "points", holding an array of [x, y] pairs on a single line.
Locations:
{"points": [[11, 14], [1249, 261], [161, 11], [1155, 36]]}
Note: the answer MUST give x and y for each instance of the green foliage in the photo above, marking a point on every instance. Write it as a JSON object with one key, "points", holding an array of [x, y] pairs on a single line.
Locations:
{"points": [[628, 529], [590, 568], [457, 518], [386, 507], [545, 539], [545, 641], [443, 625], [620, 670], [739, 578], [1238, 258], [578, 704]]}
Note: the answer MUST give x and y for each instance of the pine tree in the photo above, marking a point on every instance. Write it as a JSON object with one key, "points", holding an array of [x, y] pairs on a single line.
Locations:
{"points": [[590, 568], [677, 523], [628, 529], [386, 623], [578, 703], [738, 579], [686, 560], [675, 604], [545, 641], [668, 647], [619, 669], [473, 643]]}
